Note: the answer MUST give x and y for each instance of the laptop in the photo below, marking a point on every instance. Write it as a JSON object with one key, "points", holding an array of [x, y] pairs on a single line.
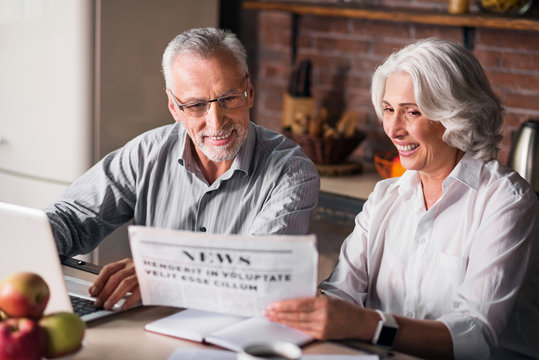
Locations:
{"points": [[27, 244]]}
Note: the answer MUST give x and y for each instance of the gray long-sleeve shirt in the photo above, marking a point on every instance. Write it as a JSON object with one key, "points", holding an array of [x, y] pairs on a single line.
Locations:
{"points": [[271, 188]]}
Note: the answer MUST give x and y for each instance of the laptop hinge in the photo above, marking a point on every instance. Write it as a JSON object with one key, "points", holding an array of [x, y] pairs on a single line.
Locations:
{"points": [[80, 264]]}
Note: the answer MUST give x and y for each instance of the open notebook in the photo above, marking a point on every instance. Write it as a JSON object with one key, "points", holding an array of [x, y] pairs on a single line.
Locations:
{"points": [[226, 331]]}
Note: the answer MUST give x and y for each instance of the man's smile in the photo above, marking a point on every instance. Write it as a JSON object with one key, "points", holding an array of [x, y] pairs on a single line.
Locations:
{"points": [[220, 139]]}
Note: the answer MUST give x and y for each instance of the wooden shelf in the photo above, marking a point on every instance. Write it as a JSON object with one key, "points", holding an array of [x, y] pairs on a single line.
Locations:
{"points": [[478, 20]]}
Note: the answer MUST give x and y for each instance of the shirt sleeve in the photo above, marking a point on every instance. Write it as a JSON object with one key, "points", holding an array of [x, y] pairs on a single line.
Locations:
{"points": [[498, 265], [350, 278], [288, 206], [93, 206]]}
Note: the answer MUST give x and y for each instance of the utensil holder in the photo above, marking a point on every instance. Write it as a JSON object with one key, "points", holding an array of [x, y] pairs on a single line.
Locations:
{"points": [[295, 105]]}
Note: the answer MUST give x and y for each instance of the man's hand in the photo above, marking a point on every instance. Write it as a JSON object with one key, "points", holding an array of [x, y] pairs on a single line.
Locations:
{"points": [[114, 282], [322, 317]]}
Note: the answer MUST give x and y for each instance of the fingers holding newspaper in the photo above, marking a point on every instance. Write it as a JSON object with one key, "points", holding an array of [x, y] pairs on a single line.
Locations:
{"points": [[322, 317], [116, 281]]}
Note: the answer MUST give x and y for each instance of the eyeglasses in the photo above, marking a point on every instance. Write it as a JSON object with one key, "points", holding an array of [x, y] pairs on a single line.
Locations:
{"points": [[227, 102]]}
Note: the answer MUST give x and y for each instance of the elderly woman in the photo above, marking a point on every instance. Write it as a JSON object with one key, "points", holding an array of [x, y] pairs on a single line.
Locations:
{"points": [[442, 262]]}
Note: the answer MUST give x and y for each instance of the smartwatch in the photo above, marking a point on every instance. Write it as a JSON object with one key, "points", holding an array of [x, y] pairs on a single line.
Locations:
{"points": [[386, 330]]}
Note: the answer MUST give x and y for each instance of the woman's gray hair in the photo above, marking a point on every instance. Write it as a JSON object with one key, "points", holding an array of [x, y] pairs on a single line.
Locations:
{"points": [[203, 42], [450, 86]]}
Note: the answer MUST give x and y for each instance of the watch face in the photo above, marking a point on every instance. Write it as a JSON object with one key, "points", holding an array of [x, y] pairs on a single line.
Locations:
{"points": [[387, 336]]}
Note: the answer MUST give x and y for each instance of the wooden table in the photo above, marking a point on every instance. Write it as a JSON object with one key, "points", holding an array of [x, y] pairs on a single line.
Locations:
{"points": [[122, 336]]}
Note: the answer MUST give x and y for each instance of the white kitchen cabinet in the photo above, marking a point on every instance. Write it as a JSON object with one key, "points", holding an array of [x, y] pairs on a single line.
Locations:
{"points": [[78, 79], [46, 97]]}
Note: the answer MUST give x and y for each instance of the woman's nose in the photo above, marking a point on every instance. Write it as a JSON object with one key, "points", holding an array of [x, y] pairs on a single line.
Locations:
{"points": [[393, 124]]}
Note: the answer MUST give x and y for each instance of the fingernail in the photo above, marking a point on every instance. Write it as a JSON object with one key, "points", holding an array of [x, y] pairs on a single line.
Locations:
{"points": [[98, 302], [91, 290], [108, 305]]}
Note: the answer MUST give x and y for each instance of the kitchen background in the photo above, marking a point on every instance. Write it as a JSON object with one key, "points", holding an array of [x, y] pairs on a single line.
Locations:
{"points": [[345, 51], [80, 78]]}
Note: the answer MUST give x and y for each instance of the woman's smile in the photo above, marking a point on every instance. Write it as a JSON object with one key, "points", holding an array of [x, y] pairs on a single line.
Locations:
{"points": [[406, 149]]}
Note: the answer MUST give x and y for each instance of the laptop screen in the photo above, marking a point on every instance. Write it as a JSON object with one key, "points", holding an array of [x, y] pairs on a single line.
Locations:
{"points": [[27, 244]]}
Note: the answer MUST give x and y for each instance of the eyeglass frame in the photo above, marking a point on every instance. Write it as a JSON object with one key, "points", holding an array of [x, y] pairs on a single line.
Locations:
{"points": [[208, 102]]}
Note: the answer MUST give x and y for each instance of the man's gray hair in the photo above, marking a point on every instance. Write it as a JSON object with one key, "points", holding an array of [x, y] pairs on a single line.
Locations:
{"points": [[203, 42], [450, 86]]}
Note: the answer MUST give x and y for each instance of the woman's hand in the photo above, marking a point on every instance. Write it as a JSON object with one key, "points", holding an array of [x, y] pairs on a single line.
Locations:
{"points": [[322, 317], [114, 282]]}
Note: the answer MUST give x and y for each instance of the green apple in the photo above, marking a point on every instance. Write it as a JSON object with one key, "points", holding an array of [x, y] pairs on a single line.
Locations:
{"points": [[24, 294], [64, 332]]}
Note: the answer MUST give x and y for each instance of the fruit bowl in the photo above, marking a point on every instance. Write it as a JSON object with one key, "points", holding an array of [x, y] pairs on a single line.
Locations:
{"points": [[327, 150], [507, 7], [388, 164]]}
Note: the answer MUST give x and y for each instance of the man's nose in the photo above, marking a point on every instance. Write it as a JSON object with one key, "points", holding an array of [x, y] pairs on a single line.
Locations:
{"points": [[215, 116]]}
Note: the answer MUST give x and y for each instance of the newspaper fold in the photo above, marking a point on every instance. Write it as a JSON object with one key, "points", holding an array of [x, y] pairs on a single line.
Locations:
{"points": [[231, 274]]}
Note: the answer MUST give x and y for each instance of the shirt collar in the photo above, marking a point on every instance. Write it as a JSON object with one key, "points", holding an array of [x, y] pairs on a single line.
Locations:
{"points": [[241, 162], [186, 158], [467, 171], [408, 182]]}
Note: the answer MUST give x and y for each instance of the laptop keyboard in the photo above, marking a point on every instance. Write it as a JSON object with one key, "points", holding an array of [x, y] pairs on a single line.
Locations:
{"points": [[83, 306]]}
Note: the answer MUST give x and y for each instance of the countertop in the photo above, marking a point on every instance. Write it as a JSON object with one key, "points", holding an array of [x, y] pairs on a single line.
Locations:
{"points": [[357, 186]]}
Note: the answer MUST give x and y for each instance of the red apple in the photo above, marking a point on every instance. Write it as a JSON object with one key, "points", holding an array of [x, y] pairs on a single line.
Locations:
{"points": [[64, 332], [21, 339], [24, 294]]}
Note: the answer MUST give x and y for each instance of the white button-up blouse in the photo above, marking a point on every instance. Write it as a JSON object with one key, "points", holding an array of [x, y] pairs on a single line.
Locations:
{"points": [[462, 262]]}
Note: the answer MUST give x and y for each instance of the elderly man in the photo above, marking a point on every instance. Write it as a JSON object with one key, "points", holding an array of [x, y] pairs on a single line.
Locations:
{"points": [[212, 170]]}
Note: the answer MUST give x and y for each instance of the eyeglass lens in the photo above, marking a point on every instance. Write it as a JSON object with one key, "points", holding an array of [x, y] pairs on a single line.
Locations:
{"points": [[227, 102]]}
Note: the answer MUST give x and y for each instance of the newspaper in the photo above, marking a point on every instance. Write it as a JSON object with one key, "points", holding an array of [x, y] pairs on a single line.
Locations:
{"points": [[231, 274]]}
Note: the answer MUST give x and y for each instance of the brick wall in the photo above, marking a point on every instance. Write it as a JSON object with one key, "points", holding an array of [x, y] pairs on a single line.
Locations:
{"points": [[345, 52]]}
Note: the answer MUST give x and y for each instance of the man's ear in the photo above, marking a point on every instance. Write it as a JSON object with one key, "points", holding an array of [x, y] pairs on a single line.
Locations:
{"points": [[172, 106], [251, 92]]}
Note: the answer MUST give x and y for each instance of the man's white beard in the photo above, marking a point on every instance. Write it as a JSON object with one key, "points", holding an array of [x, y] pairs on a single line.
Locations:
{"points": [[222, 153]]}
